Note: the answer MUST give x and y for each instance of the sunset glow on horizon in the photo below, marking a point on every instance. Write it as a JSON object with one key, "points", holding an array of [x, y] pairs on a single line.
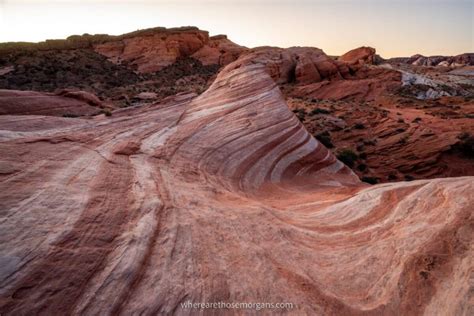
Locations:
{"points": [[394, 28]]}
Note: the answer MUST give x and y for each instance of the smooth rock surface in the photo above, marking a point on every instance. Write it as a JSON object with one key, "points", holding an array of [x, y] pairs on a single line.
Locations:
{"points": [[65, 103]]}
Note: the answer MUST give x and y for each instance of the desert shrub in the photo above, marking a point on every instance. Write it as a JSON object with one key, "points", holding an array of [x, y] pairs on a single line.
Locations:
{"points": [[362, 167], [70, 115], [466, 145], [370, 180], [319, 111], [300, 113], [107, 112], [348, 157], [403, 140], [370, 142], [325, 139], [392, 176]]}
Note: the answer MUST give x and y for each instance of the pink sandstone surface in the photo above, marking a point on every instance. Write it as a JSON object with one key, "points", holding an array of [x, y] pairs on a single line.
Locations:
{"points": [[74, 103]]}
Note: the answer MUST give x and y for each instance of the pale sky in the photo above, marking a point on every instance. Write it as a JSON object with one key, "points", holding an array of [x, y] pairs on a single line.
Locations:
{"points": [[393, 27]]}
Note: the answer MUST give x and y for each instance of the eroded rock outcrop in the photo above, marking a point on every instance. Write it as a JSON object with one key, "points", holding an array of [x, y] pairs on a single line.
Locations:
{"points": [[153, 50], [361, 55], [221, 197], [219, 50], [296, 64], [308, 72]]}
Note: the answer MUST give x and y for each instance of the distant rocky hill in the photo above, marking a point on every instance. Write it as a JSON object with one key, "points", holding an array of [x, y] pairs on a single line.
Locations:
{"points": [[119, 68], [466, 59], [188, 40], [146, 50]]}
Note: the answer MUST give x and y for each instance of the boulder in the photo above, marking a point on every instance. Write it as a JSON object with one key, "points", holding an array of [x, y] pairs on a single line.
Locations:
{"points": [[361, 55]]}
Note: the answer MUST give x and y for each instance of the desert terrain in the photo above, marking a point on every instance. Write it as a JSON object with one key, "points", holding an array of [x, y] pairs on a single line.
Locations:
{"points": [[142, 171]]}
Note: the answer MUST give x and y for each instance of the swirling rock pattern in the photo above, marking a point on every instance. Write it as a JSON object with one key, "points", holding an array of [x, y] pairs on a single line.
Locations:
{"points": [[220, 197]]}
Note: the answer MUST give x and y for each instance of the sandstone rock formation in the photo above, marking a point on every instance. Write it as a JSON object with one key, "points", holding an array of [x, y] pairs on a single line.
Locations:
{"points": [[66, 103], [219, 50], [118, 68], [361, 55], [220, 197], [398, 104], [152, 51], [368, 87], [301, 65], [313, 74]]}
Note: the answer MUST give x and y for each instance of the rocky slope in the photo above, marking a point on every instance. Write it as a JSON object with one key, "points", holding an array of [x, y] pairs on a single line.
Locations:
{"points": [[390, 120], [373, 116], [119, 68], [220, 197]]}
